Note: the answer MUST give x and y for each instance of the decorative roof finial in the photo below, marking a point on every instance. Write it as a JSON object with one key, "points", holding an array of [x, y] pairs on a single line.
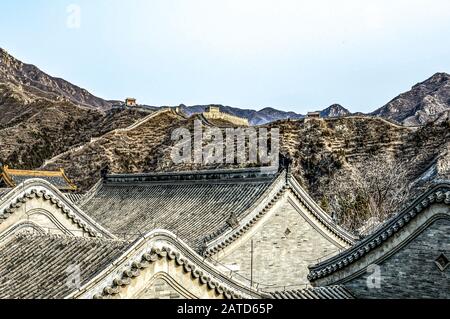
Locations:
{"points": [[104, 171], [232, 221]]}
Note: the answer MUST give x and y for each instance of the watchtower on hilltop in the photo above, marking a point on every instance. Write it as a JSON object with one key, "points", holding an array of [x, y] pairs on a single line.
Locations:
{"points": [[130, 102]]}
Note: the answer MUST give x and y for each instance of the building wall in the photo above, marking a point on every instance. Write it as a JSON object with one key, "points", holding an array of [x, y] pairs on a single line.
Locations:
{"points": [[159, 289], [412, 271], [162, 279], [283, 248], [46, 215]]}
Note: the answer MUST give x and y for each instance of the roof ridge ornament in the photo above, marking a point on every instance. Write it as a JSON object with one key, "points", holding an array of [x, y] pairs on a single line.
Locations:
{"points": [[285, 162], [233, 221], [104, 171]]}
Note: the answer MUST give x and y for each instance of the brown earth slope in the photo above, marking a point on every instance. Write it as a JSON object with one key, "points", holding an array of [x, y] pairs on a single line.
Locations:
{"points": [[34, 83], [318, 148], [121, 151], [33, 132]]}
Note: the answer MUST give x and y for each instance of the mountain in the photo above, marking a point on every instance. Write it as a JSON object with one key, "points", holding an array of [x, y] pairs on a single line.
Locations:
{"points": [[335, 110], [29, 83], [49, 123], [32, 83], [425, 102]]}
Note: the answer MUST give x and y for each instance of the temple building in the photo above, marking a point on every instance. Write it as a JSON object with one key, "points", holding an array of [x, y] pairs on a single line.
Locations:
{"points": [[10, 178], [241, 233]]}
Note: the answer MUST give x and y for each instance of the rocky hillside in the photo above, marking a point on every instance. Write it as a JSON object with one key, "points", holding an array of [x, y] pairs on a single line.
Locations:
{"points": [[319, 149], [321, 152], [130, 150], [425, 102], [325, 156], [32, 83], [37, 130]]}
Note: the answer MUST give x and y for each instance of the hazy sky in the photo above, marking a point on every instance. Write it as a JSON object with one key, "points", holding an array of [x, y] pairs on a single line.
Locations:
{"points": [[288, 54]]}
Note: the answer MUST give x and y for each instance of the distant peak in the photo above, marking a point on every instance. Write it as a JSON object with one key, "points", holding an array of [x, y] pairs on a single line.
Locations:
{"points": [[271, 109], [336, 106], [422, 104], [435, 79], [35, 83], [441, 75], [4, 54], [335, 110]]}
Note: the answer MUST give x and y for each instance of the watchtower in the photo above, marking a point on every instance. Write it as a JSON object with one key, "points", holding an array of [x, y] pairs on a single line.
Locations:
{"points": [[130, 102]]}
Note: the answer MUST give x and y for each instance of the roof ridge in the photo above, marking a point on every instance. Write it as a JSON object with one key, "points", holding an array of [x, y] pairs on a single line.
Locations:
{"points": [[158, 244], [32, 188], [216, 242], [212, 174]]}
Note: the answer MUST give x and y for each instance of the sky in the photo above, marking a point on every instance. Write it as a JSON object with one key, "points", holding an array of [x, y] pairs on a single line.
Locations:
{"points": [[292, 55]]}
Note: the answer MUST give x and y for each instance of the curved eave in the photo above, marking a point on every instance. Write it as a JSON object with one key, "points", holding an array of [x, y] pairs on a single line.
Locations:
{"points": [[438, 194], [6, 178], [326, 293], [153, 246], [265, 203], [249, 218], [70, 183], [33, 188]]}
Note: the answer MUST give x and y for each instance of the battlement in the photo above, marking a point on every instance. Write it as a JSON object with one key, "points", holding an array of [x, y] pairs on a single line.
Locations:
{"points": [[313, 116], [214, 113]]}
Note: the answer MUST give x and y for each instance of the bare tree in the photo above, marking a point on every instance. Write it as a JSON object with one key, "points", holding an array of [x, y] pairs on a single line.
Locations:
{"points": [[367, 193]]}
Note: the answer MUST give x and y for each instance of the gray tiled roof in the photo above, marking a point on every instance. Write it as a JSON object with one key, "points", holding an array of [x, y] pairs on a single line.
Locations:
{"points": [[35, 266], [191, 206], [74, 198], [57, 181], [331, 292]]}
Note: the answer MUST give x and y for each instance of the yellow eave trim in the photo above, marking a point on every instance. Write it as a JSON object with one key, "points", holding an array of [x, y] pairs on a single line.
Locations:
{"points": [[8, 180]]}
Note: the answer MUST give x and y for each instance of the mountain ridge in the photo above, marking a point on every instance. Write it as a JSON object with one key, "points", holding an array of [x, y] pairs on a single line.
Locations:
{"points": [[427, 101], [424, 102], [35, 83]]}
